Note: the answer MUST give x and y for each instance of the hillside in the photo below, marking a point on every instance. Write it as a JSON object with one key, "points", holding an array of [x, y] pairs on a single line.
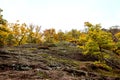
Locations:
{"points": [[54, 62]]}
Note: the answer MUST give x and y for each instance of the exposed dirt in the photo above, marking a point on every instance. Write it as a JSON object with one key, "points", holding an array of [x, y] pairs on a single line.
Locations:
{"points": [[36, 62]]}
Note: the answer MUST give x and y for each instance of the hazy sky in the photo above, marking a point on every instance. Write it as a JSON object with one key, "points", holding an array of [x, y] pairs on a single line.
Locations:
{"points": [[62, 14]]}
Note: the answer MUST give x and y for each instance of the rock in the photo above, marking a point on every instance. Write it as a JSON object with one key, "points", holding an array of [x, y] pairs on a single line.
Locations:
{"points": [[52, 63], [84, 68]]}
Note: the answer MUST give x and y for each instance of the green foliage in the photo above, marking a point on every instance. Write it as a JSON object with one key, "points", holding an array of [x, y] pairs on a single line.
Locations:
{"points": [[96, 41], [118, 47], [91, 47], [102, 65]]}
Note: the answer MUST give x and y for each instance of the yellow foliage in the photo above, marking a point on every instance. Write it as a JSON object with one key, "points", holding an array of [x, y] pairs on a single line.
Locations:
{"points": [[118, 36]]}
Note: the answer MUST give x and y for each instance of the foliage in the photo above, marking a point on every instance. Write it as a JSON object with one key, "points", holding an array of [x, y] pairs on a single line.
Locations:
{"points": [[18, 33], [117, 35], [96, 41], [61, 36], [3, 35], [2, 21], [3, 31], [34, 34], [50, 35], [102, 65]]}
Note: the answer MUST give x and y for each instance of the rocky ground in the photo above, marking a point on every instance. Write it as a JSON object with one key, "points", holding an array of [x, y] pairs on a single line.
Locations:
{"points": [[50, 62]]}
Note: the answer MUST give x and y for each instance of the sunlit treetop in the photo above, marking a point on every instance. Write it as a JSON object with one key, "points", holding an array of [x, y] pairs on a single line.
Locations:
{"points": [[2, 21], [88, 24]]}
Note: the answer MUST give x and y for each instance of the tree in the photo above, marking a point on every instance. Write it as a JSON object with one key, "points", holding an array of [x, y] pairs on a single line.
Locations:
{"points": [[37, 35], [2, 21], [19, 33], [61, 36], [4, 30], [97, 41], [117, 35], [50, 35], [73, 35], [3, 35], [30, 36], [34, 34], [88, 24]]}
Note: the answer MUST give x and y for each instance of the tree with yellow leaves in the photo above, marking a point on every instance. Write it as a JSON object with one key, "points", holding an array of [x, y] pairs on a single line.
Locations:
{"points": [[19, 33], [4, 30], [50, 35], [97, 41], [34, 34], [117, 35]]}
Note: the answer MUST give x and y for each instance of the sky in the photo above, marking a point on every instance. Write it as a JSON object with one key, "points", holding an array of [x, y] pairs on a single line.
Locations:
{"points": [[62, 14]]}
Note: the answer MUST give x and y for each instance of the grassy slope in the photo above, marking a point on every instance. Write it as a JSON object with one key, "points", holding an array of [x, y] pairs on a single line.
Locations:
{"points": [[53, 63]]}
